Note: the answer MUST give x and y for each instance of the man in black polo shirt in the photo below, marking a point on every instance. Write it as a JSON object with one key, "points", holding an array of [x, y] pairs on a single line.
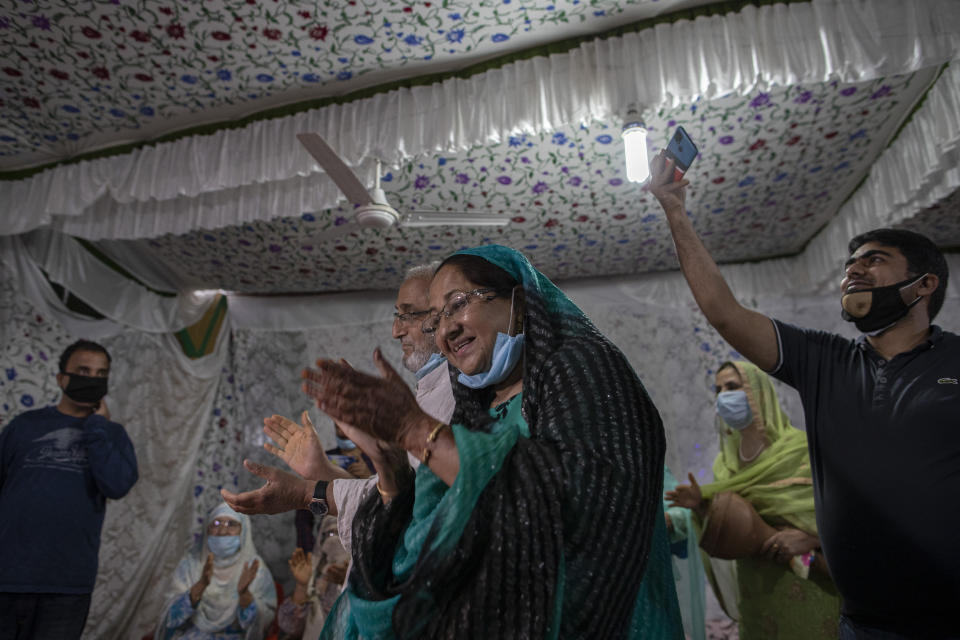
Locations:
{"points": [[883, 421]]}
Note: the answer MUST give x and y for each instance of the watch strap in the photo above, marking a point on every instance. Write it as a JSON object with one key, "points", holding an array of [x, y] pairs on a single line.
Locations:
{"points": [[320, 490], [318, 503]]}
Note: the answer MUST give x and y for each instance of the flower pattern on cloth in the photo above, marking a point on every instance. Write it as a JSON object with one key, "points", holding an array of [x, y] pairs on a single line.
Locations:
{"points": [[89, 69]]}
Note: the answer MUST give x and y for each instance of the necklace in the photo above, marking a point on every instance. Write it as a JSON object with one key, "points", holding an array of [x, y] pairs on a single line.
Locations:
{"points": [[745, 458]]}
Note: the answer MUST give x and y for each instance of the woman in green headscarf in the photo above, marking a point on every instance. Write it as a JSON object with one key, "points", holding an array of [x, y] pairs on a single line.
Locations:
{"points": [[764, 460], [536, 513]]}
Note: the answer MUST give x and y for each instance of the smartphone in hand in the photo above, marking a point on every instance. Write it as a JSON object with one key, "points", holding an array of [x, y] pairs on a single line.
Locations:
{"points": [[682, 151]]}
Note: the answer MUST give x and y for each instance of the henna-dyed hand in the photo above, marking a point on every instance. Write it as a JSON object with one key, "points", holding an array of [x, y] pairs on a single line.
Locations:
{"points": [[383, 407]]}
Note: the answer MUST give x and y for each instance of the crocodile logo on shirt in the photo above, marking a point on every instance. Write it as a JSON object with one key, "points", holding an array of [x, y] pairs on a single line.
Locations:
{"points": [[947, 381], [61, 449]]}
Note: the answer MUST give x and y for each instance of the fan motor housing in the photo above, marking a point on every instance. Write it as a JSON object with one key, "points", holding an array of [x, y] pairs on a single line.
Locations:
{"points": [[375, 215]]}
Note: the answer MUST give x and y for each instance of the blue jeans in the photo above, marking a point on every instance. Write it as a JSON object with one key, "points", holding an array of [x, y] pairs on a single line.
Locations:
{"points": [[43, 616], [850, 630]]}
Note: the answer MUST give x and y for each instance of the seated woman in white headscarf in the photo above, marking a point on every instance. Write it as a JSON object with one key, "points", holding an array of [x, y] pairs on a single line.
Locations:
{"points": [[221, 590]]}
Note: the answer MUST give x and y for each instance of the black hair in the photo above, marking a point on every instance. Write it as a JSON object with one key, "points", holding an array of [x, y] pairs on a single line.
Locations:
{"points": [[81, 345], [728, 365], [922, 256], [480, 271]]}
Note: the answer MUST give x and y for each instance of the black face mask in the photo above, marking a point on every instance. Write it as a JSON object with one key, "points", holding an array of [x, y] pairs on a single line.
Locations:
{"points": [[85, 388], [876, 310]]}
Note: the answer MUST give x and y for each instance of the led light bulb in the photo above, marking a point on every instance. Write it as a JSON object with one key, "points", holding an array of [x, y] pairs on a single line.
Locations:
{"points": [[635, 149]]}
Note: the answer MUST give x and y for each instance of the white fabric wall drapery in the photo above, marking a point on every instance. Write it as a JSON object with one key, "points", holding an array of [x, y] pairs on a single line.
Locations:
{"points": [[166, 409], [122, 301], [239, 175]]}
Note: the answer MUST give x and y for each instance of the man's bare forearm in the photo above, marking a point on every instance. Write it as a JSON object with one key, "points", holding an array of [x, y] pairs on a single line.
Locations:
{"points": [[749, 332]]}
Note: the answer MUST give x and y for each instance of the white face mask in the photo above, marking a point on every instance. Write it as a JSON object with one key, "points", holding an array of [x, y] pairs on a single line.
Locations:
{"points": [[223, 546], [733, 407]]}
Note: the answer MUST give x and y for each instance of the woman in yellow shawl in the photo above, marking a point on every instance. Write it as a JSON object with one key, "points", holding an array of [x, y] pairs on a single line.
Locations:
{"points": [[764, 460]]}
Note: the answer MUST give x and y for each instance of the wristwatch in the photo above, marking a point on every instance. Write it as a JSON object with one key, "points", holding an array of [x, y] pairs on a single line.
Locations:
{"points": [[318, 504]]}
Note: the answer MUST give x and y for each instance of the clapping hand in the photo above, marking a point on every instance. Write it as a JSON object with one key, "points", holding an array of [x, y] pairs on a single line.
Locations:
{"points": [[299, 446], [358, 469], [389, 460], [685, 495], [383, 407], [247, 575], [301, 566], [243, 584], [336, 573], [282, 492], [196, 591]]}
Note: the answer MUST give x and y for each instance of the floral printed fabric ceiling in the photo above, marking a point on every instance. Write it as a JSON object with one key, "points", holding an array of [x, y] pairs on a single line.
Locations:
{"points": [[773, 169], [82, 75]]}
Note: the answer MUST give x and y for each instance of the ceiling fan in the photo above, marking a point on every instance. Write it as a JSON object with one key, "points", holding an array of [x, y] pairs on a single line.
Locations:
{"points": [[371, 207]]}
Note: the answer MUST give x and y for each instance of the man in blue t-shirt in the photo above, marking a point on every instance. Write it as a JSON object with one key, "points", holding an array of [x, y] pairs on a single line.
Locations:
{"points": [[58, 466], [883, 421]]}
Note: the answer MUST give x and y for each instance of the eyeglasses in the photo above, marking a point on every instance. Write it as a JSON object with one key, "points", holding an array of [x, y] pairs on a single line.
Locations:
{"points": [[225, 524], [410, 317], [456, 305]]}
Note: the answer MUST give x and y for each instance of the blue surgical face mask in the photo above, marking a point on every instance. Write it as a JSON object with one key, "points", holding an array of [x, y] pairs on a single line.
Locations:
{"points": [[435, 361], [507, 351], [733, 407], [223, 546], [345, 444]]}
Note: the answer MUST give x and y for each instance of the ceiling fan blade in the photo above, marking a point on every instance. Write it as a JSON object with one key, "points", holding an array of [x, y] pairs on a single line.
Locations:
{"points": [[453, 219], [335, 232], [336, 168]]}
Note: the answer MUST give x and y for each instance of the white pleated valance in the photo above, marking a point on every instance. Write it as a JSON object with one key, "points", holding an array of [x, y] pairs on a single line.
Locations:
{"points": [[918, 170], [259, 171]]}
